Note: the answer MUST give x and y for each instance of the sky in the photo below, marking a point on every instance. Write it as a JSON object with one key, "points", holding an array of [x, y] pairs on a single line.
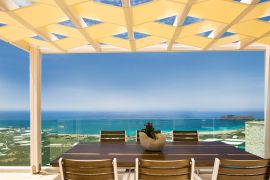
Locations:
{"points": [[190, 81]]}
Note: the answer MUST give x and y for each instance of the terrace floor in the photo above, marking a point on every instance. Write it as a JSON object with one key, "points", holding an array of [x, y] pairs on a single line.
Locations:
{"points": [[29, 176], [26, 176]]}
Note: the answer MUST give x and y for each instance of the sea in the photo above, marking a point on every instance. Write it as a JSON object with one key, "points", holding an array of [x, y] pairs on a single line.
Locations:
{"points": [[92, 122]]}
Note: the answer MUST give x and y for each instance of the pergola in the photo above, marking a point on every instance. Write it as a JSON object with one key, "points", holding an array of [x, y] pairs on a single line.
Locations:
{"points": [[102, 26]]}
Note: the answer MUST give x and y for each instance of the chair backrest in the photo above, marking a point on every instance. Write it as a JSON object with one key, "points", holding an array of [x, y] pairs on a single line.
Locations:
{"points": [[112, 136], [185, 136], [138, 137], [164, 170], [241, 169], [88, 169]]}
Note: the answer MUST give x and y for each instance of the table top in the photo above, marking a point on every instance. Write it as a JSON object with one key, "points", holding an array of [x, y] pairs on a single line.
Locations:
{"points": [[204, 153]]}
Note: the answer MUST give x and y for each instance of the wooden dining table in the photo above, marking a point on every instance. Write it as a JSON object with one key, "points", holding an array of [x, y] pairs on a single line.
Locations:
{"points": [[204, 153]]}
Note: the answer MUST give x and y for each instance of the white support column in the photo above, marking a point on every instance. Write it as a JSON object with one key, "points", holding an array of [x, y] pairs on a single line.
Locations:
{"points": [[35, 109], [267, 103]]}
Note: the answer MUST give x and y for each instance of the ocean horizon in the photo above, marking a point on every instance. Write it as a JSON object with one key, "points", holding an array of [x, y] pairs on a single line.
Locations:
{"points": [[82, 122]]}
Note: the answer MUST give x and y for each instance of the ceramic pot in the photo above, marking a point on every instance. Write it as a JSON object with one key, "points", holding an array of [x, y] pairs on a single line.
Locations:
{"points": [[152, 144]]}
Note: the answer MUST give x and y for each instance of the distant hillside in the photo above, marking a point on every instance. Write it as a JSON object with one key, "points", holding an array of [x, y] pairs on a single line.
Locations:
{"points": [[237, 117]]}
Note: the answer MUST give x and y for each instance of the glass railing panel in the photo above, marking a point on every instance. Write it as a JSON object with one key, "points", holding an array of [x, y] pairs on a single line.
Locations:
{"points": [[61, 131]]}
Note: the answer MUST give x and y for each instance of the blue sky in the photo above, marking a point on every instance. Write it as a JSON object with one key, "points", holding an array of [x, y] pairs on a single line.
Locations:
{"points": [[205, 81]]}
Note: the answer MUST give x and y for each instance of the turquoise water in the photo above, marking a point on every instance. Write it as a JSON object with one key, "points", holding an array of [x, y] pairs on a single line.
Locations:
{"points": [[93, 122]]}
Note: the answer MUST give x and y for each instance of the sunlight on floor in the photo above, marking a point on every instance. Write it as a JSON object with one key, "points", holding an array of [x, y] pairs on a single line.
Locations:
{"points": [[29, 176], [26, 176]]}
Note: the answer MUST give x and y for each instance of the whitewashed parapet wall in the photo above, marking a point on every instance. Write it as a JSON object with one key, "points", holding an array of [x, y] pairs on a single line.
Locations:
{"points": [[255, 138]]}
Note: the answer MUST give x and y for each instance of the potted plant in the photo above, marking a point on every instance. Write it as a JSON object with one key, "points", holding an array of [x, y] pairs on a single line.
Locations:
{"points": [[150, 140]]}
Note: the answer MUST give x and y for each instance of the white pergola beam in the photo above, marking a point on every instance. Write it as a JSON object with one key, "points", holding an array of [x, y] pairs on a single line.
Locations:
{"points": [[180, 20], [35, 109], [161, 48], [129, 23], [221, 31], [77, 22], [267, 103], [247, 43]]}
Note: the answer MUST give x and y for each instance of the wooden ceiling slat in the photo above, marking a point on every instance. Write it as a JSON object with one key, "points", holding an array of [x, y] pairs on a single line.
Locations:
{"points": [[129, 23], [180, 20], [43, 18], [27, 25], [74, 19], [221, 31]]}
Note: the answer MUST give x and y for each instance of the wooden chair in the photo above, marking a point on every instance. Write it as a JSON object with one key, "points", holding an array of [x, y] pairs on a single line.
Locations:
{"points": [[88, 169], [138, 137], [112, 136], [164, 170], [241, 169], [185, 136]]}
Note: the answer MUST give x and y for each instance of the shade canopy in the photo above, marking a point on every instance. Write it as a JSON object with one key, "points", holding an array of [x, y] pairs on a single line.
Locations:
{"points": [[74, 26]]}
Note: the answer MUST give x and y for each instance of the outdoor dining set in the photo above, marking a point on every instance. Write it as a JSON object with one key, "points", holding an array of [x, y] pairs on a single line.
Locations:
{"points": [[183, 158]]}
